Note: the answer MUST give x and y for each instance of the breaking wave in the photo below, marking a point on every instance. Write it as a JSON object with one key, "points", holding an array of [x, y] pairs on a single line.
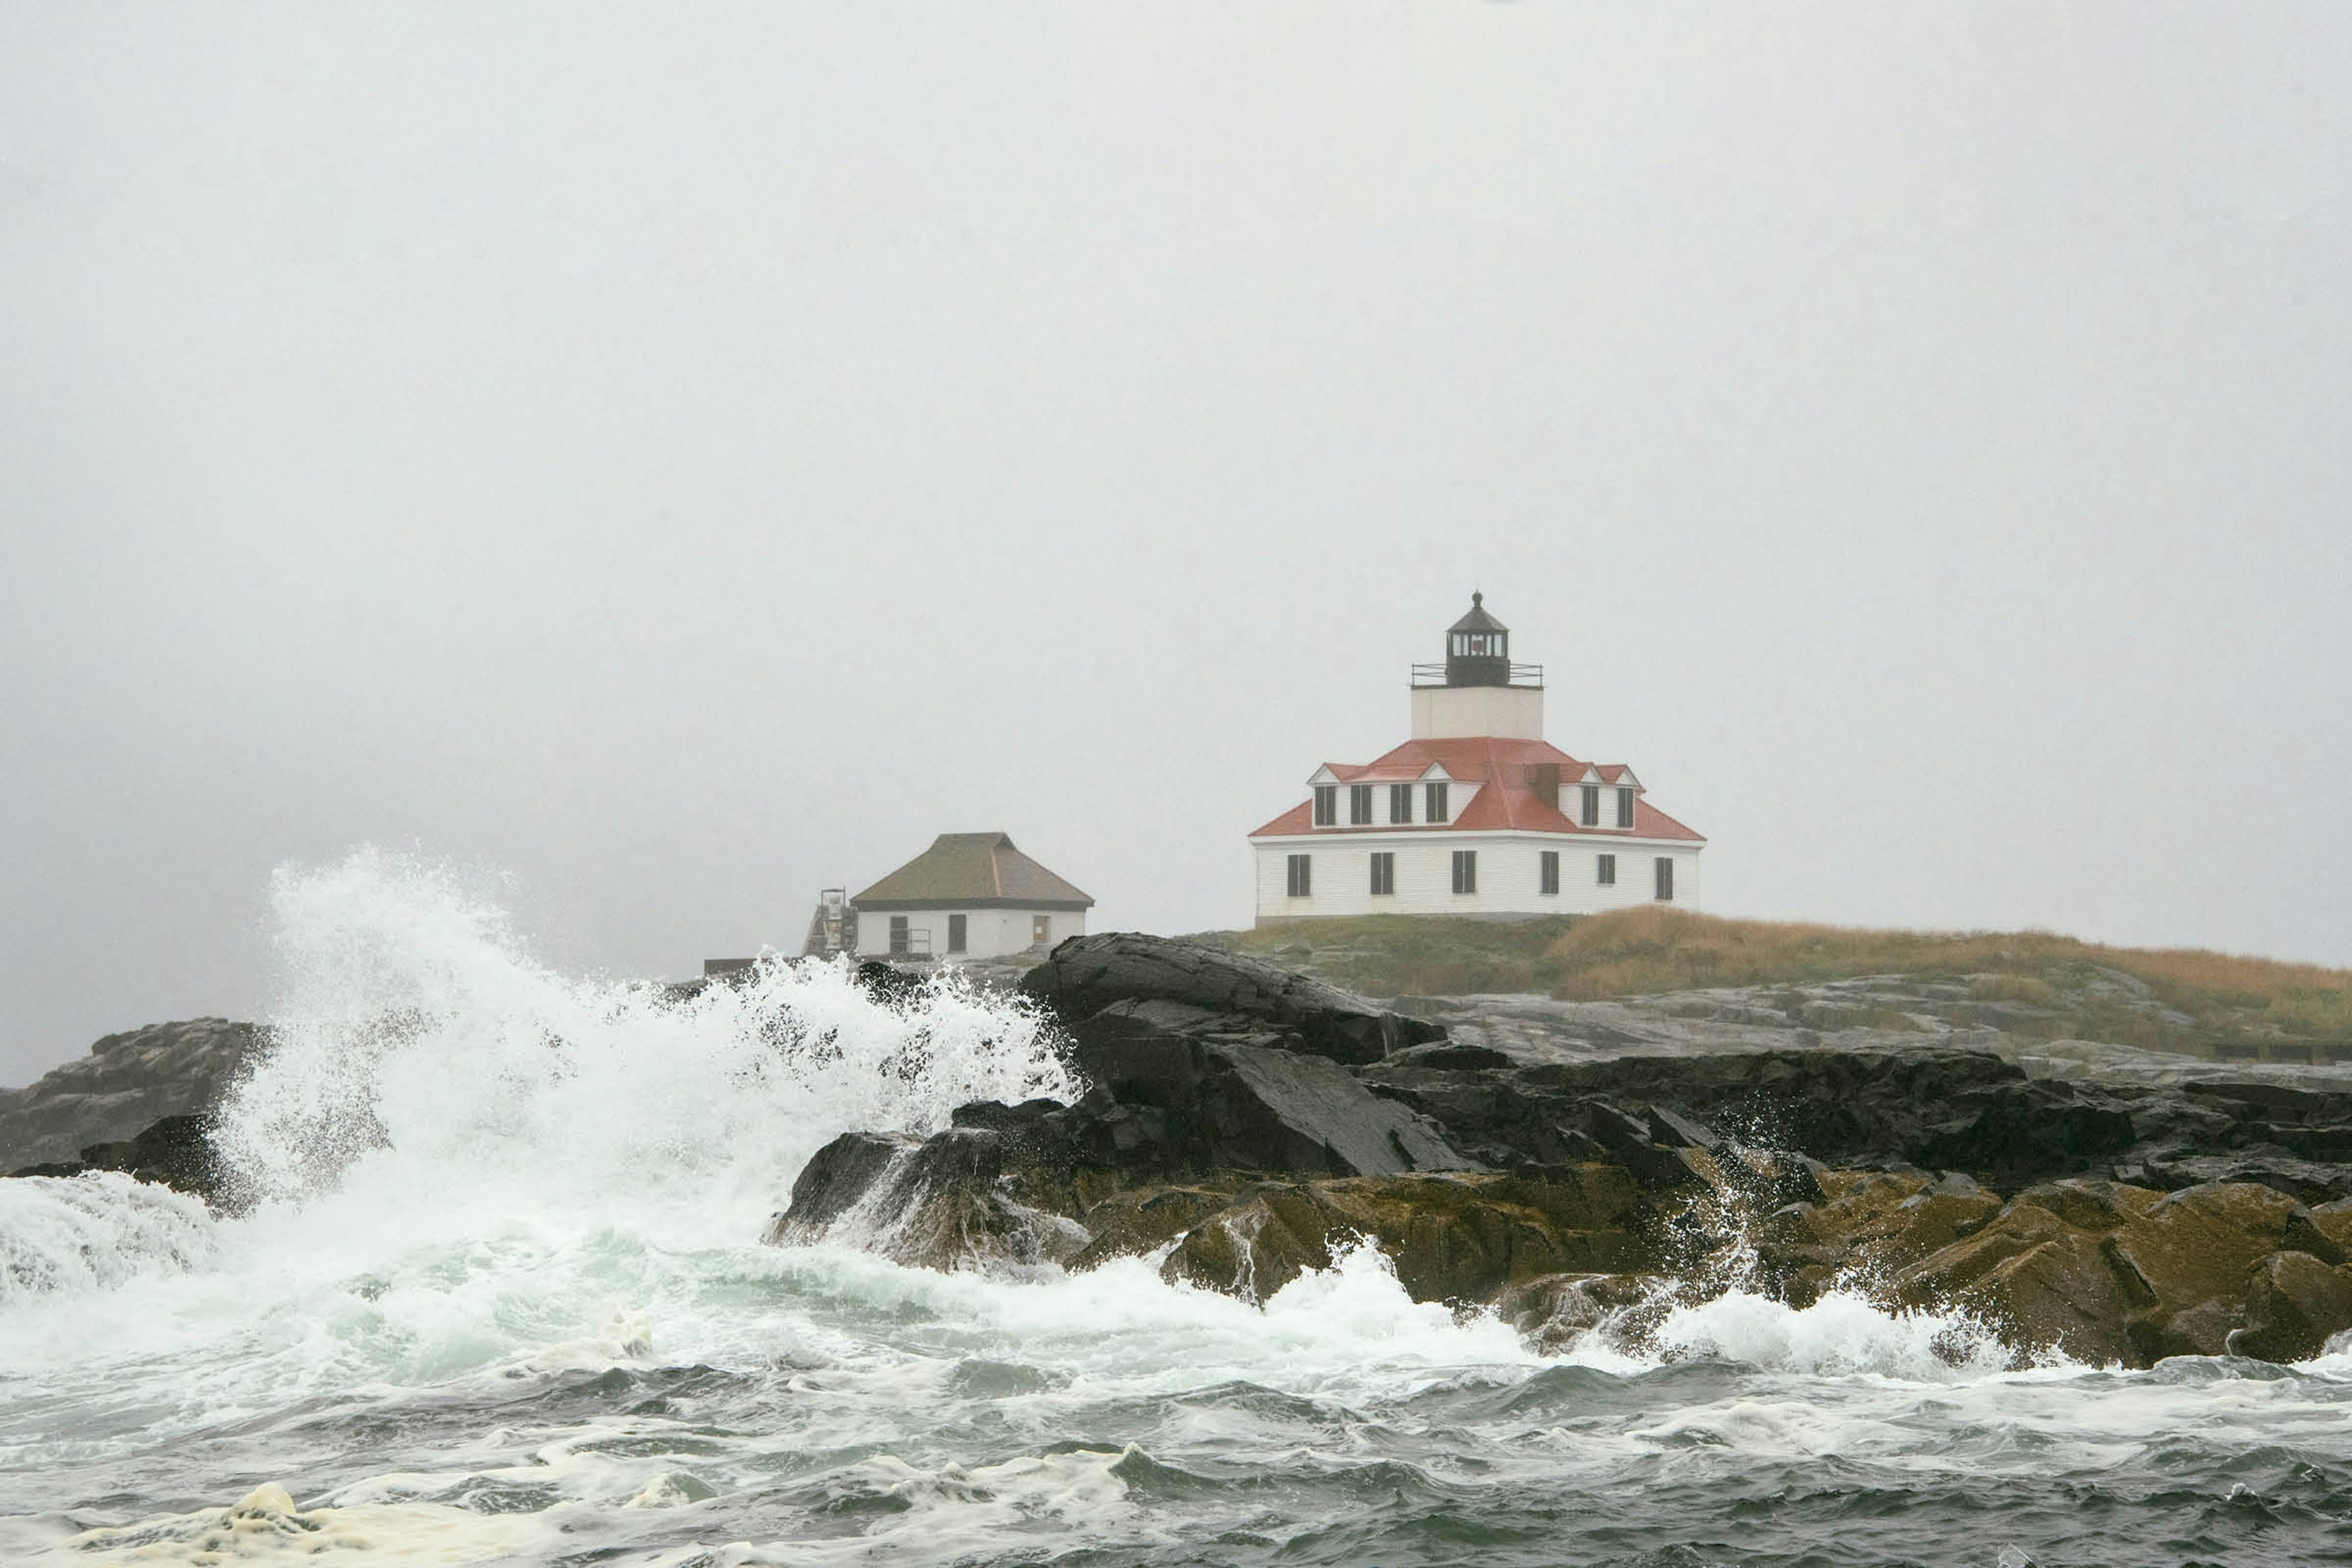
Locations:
{"points": [[95, 1231], [418, 1047], [496, 1294]]}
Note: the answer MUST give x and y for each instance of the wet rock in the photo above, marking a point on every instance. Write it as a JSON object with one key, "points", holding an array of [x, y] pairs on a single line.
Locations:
{"points": [[1554, 1312], [174, 1152], [1866, 1228], [837, 1179], [2031, 1128], [1086, 973], [940, 1203], [2111, 1273], [1175, 1101], [1132, 1224], [887, 983], [2298, 1302], [1460, 1239], [1165, 1111]]}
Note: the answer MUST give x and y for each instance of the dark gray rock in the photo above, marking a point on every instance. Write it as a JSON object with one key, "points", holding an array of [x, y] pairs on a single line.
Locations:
{"points": [[1165, 1108], [942, 1202], [1087, 973], [126, 1083], [1212, 1098], [175, 1151], [1304, 1115]]}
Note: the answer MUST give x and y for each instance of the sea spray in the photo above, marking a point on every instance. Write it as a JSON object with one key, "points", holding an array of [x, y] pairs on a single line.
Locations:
{"points": [[417, 1034], [500, 1297]]}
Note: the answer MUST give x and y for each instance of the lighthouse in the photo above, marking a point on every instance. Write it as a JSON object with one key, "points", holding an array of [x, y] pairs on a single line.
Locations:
{"points": [[1476, 814]]}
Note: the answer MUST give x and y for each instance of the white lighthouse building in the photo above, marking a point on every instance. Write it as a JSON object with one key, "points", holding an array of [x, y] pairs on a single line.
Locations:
{"points": [[1476, 814]]}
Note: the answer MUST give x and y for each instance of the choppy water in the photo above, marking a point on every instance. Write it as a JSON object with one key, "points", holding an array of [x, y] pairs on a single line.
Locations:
{"points": [[537, 1328]]}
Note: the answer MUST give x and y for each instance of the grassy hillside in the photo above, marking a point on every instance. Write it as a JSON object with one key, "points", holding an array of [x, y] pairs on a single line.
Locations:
{"points": [[1642, 951]]}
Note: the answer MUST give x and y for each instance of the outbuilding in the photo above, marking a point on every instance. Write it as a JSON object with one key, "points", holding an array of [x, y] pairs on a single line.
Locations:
{"points": [[969, 895]]}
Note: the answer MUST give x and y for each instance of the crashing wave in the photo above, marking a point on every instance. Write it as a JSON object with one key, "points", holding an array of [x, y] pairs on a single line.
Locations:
{"points": [[95, 1231]]}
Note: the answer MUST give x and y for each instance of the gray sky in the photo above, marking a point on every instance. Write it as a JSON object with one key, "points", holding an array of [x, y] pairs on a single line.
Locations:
{"points": [[686, 457]]}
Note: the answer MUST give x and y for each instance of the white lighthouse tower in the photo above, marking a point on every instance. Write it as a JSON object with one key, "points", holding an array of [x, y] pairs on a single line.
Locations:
{"points": [[1476, 814]]}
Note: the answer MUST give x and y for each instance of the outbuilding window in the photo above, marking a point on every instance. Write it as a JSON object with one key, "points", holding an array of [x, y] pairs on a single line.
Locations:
{"points": [[1401, 803], [1604, 870], [1665, 880], [900, 939], [1433, 801], [1326, 805], [956, 934], [1466, 870], [1360, 804], [1548, 872], [1302, 876], [1384, 874]]}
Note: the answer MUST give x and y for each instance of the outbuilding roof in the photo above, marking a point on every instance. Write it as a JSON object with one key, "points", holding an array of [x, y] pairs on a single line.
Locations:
{"points": [[971, 871]]}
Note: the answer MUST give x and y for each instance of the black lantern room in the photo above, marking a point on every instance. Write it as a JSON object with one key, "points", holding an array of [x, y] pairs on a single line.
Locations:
{"points": [[1478, 649]]}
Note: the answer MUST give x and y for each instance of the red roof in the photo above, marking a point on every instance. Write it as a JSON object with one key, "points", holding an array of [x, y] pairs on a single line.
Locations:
{"points": [[1504, 799]]}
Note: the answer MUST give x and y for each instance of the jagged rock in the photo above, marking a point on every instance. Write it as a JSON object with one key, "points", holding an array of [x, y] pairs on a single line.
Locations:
{"points": [[2297, 1304], [1459, 1239], [126, 1084], [175, 1151], [933, 1203], [1166, 1110], [1132, 1224], [2114, 1273], [1555, 1310], [1247, 1123], [1185, 1101], [1087, 973]]}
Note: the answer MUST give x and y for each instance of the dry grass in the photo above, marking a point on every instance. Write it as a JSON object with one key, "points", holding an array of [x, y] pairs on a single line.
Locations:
{"points": [[1645, 951], [1407, 955]]}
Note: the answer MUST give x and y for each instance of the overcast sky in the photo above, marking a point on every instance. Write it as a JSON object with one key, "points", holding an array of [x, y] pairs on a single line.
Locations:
{"points": [[689, 455]]}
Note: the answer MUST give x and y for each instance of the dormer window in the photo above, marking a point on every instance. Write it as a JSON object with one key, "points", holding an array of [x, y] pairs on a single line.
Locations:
{"points": [[1433, 800], [1359, 805], [1401, 803], [1625, 807], [1589, 812], [1326, 805]]}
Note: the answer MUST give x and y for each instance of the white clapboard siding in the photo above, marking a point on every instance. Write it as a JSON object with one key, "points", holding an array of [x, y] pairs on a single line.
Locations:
{"points": [[988, 933], [1508, 874]]}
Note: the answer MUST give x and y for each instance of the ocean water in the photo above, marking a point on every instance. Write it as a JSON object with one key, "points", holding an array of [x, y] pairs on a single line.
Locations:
{"points": [[500, 1299]]}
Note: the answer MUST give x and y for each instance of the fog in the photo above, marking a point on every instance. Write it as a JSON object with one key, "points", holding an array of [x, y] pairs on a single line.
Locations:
{"points": [[684, 458]]}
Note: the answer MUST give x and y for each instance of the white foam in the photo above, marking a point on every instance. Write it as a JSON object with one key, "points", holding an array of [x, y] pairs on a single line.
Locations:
{"points": [[95, 1231], [955, 1513], [1840, 1335], [267, 1527]]}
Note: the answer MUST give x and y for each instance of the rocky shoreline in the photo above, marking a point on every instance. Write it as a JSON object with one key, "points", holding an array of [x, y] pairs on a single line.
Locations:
{"points": [[1568, 1165], [1247, 1123]]}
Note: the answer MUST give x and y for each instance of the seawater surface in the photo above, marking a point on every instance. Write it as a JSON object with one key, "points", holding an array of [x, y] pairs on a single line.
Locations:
{"points": [[500, 1299]]}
